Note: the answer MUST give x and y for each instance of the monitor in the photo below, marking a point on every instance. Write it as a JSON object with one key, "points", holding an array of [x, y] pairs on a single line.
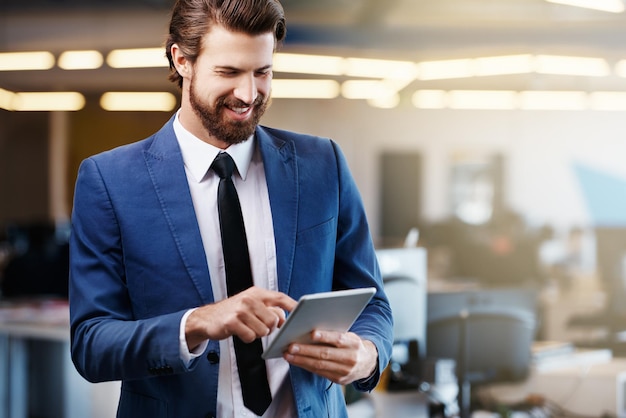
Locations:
{"points": [[488, 332]]}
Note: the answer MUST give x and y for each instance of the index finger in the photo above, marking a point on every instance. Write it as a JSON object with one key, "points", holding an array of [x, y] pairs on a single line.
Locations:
{"points": [[280, 300]]}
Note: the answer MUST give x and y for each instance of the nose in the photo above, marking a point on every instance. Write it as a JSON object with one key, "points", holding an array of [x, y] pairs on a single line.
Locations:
{"points": [[246, 89]]}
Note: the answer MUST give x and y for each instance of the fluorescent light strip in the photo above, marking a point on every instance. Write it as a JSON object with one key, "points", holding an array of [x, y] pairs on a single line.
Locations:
{"points": [[308, 64], [138, 101], [552, 100], [6, 99], [445, 69], [80, 60], [502, 65], [137, 58], [524, 100], [378, 68], [430, 99], [26, 61], [48, 101], [366, 89], [611, 6], [563, 65], [513, 64], [337, 66], [608, 100], [304, 89]]}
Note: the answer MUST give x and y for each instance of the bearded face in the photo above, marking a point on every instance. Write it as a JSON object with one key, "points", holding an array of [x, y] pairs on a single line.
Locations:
{"points": [[214, 117]]}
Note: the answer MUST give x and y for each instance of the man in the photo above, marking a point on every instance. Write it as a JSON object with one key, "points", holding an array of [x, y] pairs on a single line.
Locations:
{"points": [[149, 301]]}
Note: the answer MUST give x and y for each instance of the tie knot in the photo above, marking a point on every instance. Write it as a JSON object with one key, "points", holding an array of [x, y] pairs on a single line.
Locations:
{"points": [[223, 165]]}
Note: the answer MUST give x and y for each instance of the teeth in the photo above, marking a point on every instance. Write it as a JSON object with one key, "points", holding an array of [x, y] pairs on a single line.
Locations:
{"points": [[240, 110]]}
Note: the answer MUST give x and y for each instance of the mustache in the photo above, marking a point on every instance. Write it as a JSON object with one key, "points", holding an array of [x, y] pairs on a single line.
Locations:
{"points": [[233, 102]]}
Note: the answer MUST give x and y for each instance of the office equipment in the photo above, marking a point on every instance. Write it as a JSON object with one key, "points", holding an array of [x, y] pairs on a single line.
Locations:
{"points": [[405, 279], [584, 390], [488, 332], [38, 377]]}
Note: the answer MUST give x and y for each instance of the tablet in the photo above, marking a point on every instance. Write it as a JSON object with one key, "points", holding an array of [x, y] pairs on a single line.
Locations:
{"points": [[329, 311]]}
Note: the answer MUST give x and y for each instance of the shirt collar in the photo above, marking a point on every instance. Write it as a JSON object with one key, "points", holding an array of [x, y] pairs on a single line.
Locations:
{"points": [[199, 155]]}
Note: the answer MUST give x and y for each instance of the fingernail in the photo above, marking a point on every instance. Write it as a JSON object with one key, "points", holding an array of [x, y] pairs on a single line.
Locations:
{"points": [[294, 349]]}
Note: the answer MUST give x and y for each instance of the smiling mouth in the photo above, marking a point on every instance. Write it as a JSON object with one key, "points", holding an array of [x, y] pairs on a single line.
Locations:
{"points": [[240, 110]]}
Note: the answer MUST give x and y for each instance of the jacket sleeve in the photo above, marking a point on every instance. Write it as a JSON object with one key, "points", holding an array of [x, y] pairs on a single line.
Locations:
{"points": [[107, 341], [356, 266]]}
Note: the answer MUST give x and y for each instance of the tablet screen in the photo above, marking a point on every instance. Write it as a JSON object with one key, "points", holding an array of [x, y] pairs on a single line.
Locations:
{"points": [[330, 311]]}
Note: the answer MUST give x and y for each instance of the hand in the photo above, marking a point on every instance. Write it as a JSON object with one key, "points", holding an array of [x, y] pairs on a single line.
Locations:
{"points": [[341, 357], [251, 314]]}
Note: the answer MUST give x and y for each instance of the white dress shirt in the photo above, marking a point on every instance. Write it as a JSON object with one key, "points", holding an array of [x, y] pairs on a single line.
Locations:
{"points": [[249, 179]]}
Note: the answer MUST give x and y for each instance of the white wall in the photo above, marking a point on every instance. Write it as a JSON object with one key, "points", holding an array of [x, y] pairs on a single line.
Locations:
{"points": [[539, 147]]}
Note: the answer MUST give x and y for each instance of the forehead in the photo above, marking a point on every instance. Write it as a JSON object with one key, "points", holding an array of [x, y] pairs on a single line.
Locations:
{"points": [[227, 48]]}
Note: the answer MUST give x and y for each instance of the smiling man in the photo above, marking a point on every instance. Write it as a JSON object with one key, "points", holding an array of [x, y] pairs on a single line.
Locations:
{"points": [[170, 300]]}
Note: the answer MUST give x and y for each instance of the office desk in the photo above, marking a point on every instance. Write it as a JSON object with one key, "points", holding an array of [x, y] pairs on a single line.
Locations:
{"points": [[37, 375]]}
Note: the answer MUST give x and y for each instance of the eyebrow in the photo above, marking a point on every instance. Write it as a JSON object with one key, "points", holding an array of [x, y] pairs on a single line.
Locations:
{"points": [[229, 68]]}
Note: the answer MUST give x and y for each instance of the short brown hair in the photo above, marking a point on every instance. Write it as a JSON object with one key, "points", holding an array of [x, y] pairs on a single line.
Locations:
{"points": [[192, 19]]}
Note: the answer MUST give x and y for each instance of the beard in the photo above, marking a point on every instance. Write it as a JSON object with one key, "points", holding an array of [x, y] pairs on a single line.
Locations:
{"points": [[218, 125]]}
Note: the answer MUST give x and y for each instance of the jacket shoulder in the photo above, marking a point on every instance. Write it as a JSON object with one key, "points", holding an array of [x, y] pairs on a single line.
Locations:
{"points": [[300, 141]]}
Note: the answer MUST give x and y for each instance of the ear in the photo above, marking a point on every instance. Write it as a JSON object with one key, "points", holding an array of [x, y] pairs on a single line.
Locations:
{"points": [[181, 63]]}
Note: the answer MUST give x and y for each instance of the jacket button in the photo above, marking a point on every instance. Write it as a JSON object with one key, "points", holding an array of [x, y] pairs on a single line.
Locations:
{"points": [[213, 357]]}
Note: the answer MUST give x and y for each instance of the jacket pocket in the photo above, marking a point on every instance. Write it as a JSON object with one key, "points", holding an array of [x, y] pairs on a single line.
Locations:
{"points": [[316, 232]]}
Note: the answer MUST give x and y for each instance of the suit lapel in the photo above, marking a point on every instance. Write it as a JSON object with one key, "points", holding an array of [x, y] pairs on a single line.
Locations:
{"points": [[279, 160], [164, 162]]}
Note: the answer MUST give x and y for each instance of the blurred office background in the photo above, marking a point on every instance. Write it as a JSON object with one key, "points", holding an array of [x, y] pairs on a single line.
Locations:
{"points": [[494, 128]]}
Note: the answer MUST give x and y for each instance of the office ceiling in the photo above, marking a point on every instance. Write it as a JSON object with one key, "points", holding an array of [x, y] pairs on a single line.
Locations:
{"points": [[416, 30]]}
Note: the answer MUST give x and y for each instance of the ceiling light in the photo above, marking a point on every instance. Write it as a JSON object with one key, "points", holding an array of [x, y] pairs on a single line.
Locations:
{"points": [[553, 100], [482, 99], [337, 66], [308, 64], [502, 65], [48, 101], [579, 66], [138, 101], [305, 89], [429, 99], [6, 99], [21, 61], [607, 100], [378, 68], [612, 6], [438, 70], [80, 60], [137, 58], [366, 89]]}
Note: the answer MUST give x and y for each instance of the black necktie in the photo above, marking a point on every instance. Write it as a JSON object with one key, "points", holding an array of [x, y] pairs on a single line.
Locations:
{"points": [[252, 372]]}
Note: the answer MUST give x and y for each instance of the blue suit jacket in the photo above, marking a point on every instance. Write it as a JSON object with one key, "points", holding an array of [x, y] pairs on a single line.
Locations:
{"points": [[137, 264]]}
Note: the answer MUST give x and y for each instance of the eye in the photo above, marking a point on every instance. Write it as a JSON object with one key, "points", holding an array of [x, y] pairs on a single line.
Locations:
{"points": [[263, 73]]}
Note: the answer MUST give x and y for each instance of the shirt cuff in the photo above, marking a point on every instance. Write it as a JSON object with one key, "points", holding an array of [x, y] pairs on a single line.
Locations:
{"points": [[186, 355]]}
